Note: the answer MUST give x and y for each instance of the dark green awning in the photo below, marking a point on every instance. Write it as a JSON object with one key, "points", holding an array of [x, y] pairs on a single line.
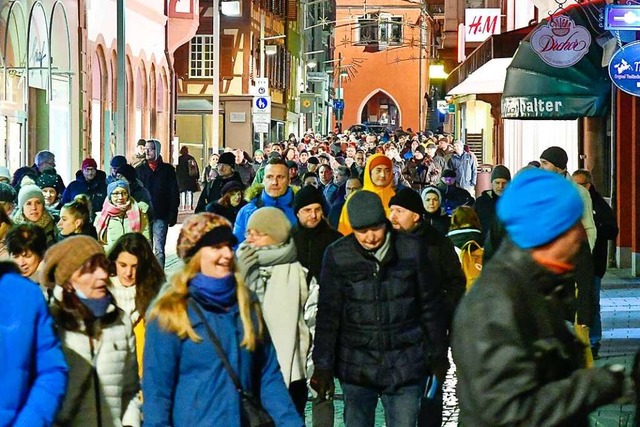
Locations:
{"points": [[535, 89]]}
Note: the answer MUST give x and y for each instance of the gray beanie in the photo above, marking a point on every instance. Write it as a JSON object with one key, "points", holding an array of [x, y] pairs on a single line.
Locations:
{"points": [[365, 210], [27, 192], [270, 221], [7, 193]]}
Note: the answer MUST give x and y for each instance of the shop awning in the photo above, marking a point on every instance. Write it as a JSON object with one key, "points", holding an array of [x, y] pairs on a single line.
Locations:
{"points": [[556, 72], [484, 70], [194, 105]]}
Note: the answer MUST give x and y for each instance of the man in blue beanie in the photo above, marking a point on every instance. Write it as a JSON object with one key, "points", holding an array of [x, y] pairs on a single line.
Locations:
{"points": [[517, 360]]}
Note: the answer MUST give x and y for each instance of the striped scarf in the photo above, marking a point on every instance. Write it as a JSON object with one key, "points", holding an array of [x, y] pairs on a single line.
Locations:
{"points": [[109, 210]]}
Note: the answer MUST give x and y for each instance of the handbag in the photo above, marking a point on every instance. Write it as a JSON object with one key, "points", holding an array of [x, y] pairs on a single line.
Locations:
{"points": [[251, 411]]}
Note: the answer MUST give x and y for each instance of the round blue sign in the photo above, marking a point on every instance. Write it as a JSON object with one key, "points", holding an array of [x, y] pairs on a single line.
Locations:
{"points": [[624, 68]]}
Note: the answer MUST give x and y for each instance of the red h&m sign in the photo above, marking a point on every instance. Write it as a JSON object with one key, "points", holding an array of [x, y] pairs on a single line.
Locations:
{"points": [[481, 23]]}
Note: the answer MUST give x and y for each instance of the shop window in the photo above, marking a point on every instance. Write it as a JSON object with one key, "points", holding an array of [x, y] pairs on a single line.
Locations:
{"points": [[379, 28], [201, 57]]}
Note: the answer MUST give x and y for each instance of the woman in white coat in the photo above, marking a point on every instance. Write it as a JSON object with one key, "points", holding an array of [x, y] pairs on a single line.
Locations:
{"points": [[96, 336]]}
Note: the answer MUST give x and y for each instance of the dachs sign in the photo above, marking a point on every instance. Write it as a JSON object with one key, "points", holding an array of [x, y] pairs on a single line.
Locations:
{"points": [[480, 24], [624, 68], [560, 42]]}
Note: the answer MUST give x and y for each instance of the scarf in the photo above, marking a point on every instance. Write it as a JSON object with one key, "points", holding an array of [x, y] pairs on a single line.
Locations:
{"points": [[153, 164], [214, 291], [109, 210], [97, 306], [381, 253], [281, 286]]}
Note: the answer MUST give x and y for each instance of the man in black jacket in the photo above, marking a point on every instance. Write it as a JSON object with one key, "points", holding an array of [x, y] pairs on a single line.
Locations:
{"points": [[380, 323], [517, 361], [406, 213], [312, 236], [607, 229], [160, 179]]}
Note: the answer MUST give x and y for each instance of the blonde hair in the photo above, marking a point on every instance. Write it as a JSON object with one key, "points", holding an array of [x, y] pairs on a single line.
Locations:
{"points": [[170, 310], [464, 217]]}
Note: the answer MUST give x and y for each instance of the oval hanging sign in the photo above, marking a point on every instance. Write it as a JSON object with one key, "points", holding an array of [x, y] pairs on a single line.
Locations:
{"points": [[624, 68]]}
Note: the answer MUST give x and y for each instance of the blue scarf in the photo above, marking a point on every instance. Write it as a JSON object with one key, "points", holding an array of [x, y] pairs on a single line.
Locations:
{"points": [[97, 306], [211, 290]]}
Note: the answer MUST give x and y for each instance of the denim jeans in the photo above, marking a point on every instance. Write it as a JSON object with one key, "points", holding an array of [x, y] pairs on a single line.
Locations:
{"points": [[400, 407], [595, 332], [159, 231]]}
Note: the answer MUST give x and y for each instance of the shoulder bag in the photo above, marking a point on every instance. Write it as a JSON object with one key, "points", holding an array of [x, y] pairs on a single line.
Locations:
{"points": [[251, 411]]}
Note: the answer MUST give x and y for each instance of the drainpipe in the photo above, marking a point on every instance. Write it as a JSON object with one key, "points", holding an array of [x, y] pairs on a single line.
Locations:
{"points": [[172, 83]]}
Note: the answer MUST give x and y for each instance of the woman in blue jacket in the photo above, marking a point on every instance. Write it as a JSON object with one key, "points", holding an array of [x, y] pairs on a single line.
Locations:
{"points": [[185, 382]]}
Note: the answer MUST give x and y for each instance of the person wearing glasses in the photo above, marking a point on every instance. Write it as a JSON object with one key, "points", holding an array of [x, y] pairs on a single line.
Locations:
{"points": [[121, 214]]}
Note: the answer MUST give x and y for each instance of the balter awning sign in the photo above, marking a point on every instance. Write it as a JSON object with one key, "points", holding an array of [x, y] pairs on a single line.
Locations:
{"points": [[624, 68], [556, 72]]}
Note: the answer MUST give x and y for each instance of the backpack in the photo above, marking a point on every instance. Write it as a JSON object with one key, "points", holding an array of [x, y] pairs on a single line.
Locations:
{"points": [[471, 260], [193, 168]]}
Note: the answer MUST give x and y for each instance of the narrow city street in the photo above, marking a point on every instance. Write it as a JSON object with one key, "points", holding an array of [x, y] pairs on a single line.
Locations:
{"points": [[620, 302]]}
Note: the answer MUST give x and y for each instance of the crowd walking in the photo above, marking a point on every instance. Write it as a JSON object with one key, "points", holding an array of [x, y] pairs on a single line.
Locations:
{"points": [[351, 262]]}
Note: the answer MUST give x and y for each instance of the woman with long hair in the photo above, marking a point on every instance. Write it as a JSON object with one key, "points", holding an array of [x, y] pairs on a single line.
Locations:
{"points": [[75, 218], [136, 278], [185, 380], [465, 226], [230, 203], [96, 337], [121, 214]]}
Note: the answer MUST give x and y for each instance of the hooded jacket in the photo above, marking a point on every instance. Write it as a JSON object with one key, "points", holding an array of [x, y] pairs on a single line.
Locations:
{"points": [[385, 194], [163, 187], [257, 198]]}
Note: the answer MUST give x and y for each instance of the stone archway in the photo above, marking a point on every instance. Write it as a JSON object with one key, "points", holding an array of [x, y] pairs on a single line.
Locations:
{"points": [[380, 107]]}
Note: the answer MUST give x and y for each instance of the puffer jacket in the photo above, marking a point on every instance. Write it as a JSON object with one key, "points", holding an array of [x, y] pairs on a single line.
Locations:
{"points": [[163, 188], [379, 323], [108, 356], [96, 189], [518, 363]]}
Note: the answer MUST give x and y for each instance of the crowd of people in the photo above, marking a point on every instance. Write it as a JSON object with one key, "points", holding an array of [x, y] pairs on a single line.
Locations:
{"points": [[356, 259]]}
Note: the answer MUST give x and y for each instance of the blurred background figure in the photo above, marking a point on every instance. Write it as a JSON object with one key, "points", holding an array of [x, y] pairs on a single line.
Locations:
{"points": [[187, 174]]}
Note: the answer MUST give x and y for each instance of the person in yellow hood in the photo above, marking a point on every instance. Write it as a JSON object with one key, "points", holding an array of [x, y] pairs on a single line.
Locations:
{"points": [[378, 178]]}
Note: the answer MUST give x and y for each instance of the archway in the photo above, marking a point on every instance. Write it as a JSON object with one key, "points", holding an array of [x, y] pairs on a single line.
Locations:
{"points": [[380, 107], [151, 102], [99, 96]]}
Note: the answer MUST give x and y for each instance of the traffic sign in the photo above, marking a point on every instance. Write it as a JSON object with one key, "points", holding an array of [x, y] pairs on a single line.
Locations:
{"points": [[262, 86], [262, 104], [261, 127], [338, 104]]}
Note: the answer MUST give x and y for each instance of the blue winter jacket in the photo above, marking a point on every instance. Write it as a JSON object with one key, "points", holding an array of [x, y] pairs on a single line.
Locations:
{"points": [[33, 371], [284, 203], [185, 384]]}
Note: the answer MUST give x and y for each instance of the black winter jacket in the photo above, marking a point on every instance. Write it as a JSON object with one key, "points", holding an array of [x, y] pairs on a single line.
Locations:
{"points": [[96, 190], [517, 361], [485, 207], [446, 266], [378, 323], [163, 187], [213, 191], [607, 227], [311, 244]]}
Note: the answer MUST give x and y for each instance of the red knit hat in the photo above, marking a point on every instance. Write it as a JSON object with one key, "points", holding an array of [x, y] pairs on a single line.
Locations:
{"points": [[89, 163]]}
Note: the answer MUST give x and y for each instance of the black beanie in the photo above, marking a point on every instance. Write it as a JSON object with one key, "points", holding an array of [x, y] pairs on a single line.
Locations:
{"points": [[500, 172], [227, 158], [7, 193], [408, 199], [365, 210], [449, 173], [128, 172], [306, 196], [557, 156]]}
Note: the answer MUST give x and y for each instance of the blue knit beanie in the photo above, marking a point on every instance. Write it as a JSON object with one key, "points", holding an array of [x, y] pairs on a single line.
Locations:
{"points": [[539, 206], [117, 184]]}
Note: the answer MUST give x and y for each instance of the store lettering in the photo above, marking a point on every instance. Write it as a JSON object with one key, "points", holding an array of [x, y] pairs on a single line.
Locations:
{"points": [[549, 43], [531, 107]]}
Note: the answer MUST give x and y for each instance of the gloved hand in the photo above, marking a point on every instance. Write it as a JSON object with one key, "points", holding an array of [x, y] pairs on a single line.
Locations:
{"points": [[322, 383], [440, 367], [247, 260]]}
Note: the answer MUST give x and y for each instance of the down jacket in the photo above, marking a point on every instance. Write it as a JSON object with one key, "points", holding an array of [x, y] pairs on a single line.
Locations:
{"points": [[378, 323], [109, 356], [33, 373], [518, 362]]}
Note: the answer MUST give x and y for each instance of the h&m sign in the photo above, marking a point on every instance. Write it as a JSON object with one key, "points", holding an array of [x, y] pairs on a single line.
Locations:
{"points": [[480, 24]]}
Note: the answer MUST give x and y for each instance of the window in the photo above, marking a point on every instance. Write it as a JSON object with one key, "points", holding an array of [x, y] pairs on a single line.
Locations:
{"points": [[201, 57], [381, 29]]}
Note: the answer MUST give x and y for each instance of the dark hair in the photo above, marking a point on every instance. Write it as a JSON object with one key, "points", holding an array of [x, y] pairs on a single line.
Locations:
{"points": [[26, 237], [309, 175], [21, 173], [79, 208], [286, 152], [225, 200], [277, 161], [149, 274], [4, 217]]}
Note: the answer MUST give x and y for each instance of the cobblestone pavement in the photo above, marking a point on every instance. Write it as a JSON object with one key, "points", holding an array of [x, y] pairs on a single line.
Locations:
{"points": [[620, 307]]}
